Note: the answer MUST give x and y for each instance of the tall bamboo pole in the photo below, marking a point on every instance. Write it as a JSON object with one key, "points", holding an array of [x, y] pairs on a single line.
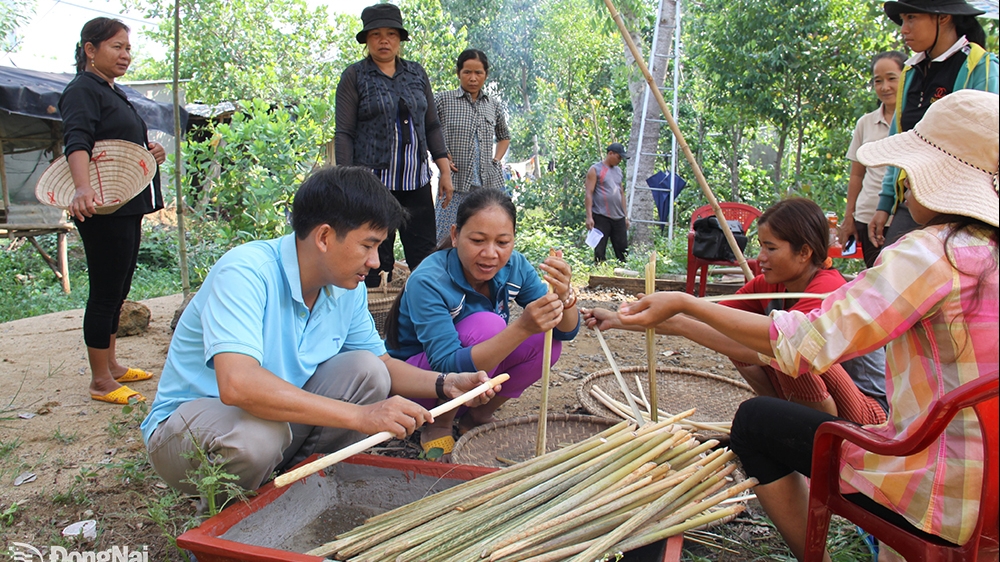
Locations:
{"points": [[178, 138], [651, 341], [702, 182]]}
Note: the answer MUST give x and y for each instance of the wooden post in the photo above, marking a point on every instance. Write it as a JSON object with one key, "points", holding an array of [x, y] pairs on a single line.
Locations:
{"points": [[702, 182], [63, 258], [178, 161], [3, 180]]}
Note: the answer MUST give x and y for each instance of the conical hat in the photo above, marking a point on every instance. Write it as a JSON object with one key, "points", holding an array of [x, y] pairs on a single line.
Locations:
{"points": [[119, 170]]}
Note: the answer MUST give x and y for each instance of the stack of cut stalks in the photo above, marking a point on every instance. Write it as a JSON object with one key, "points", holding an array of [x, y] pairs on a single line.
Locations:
{"points": [[623, 411], [617, 491]]}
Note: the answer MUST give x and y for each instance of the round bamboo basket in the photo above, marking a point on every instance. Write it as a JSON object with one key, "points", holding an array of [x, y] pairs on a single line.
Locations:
{"points": [[380, 300], [715, 397], [514, 439]]}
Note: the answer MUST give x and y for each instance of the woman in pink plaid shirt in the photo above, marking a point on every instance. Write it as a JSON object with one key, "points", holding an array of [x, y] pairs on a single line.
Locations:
{"points": [[931, 299]]}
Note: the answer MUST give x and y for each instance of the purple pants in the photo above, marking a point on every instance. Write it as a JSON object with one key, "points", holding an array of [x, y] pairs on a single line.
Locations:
{"points": [[524, 364]]}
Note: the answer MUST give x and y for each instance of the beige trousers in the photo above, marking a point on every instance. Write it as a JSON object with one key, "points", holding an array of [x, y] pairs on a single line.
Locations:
{"points": [[253, 448]]}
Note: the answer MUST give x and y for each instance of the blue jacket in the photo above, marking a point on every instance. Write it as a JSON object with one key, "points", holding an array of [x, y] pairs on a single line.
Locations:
{"points": [[437, 296]]}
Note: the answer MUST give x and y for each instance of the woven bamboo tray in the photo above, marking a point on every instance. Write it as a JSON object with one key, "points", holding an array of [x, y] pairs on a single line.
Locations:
{"points": [[715, 397], [514, 439]]}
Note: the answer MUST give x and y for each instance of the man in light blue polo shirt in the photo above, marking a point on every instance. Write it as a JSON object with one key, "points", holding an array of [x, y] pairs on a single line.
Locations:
{"points": [[277, 356]]}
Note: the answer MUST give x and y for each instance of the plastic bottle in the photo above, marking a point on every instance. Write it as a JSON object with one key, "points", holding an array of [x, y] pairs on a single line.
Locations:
{"points": [[831, 219]]}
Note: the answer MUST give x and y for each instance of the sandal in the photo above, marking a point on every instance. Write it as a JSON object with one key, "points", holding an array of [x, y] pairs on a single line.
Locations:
{"points": [[134, 375], [444, 444], [119, 396]]}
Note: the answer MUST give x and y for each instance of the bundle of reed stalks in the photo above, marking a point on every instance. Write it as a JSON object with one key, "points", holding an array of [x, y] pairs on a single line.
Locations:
{"points": [[617, 491], [623, 411]]}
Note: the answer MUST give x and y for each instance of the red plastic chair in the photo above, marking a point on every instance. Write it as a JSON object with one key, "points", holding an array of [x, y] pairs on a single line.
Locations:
{"points": [[732, 211], [825, 497]]}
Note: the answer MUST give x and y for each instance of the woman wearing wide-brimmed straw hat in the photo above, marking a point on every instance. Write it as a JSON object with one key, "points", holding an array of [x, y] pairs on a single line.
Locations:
{"points": [[387, 122], [949, 46], [93, 108], [931, 300]]}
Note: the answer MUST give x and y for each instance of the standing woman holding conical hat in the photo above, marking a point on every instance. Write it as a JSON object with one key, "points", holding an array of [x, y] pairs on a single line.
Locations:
{"points": [[93, 108], [949, 56]]}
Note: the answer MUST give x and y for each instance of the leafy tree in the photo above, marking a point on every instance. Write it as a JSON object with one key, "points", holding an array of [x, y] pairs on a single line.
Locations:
{"points": [[435, 41], [243, 49], [804, 71], [13, 14], [245, 173], [506, 30]]}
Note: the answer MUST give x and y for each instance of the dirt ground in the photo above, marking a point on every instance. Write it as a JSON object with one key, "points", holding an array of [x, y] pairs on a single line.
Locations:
{"points": [[88, 460]]}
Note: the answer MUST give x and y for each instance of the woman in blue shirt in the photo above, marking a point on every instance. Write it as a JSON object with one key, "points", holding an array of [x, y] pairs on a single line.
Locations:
{"points": [[453, 312]]}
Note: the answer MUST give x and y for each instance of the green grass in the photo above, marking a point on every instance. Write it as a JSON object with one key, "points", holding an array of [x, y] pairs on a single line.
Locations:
{"points": [[8, 447], [65, 438], [73, 496]]}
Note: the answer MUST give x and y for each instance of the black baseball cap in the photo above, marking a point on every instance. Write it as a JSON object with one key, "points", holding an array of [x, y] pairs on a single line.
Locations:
{"points": [[617, 148]]}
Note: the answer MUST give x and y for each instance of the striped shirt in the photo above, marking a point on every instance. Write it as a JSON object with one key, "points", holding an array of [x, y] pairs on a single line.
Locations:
{"points": [[408, 169], [470, 128], [940, 329]]}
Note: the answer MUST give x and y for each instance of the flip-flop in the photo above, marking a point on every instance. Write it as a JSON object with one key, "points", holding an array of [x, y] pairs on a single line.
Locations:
{"points": [[134, 375], [446, 444], [119, 395]]}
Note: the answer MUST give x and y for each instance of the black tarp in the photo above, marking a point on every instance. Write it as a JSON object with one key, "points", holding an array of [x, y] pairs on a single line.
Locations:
{"points": [[36, 94]]}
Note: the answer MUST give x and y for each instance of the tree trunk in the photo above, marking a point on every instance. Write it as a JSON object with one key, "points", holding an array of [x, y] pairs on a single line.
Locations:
{"points": [[734, 163], [642, 205], [524, 88], [782, 138], [799, 140]]}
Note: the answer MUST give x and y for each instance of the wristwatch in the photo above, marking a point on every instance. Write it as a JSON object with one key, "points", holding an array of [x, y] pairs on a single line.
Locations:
{"points": [[439, 386]]}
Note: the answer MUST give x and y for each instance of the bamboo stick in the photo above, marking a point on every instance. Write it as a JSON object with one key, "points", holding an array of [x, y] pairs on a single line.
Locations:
{"points": [[642, 393], [764, 296], [621, 380], [333, 458], [651, 340], [543, 410], [702, 182]]}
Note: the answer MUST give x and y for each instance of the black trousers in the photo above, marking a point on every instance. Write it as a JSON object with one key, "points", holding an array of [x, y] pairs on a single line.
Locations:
{"points": [[774, 438], [418, 234], [868, 250], [614, 230], [111, 244]]}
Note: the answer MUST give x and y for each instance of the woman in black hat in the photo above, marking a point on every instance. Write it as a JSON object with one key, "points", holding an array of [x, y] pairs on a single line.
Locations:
{"points": [[386, 120], [948, 44], [93, 108]]}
